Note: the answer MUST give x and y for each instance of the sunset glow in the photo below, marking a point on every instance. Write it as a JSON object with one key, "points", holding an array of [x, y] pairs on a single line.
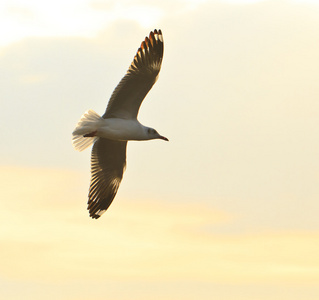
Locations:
{"points": [[227, 209]]}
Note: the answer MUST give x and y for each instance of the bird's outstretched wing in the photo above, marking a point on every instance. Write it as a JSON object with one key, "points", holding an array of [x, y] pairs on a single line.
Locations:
{"points": [[139, 79], [108, 162]]}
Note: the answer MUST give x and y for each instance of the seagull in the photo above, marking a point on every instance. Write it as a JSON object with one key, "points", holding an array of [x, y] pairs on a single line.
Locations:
{"points": [[109, 134]]}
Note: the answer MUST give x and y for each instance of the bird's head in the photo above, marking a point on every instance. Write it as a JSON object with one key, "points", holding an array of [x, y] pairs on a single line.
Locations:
{"points": [[153, 134]]}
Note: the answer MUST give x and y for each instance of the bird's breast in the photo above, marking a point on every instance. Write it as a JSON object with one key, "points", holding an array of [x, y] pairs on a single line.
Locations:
{"points": [[120, 129]]}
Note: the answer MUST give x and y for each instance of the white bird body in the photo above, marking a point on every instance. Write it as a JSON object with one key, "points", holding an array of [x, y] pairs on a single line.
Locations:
{"points": [[122, 130], [92, 126], [109, 133], [114, 128]]}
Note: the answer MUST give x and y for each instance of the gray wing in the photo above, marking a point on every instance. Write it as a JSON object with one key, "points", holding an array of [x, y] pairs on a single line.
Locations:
{"points": [[108, 162], [139, 79]]}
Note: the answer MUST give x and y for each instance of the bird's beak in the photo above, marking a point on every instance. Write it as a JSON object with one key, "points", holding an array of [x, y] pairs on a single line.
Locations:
{"points": [[163, 138]]}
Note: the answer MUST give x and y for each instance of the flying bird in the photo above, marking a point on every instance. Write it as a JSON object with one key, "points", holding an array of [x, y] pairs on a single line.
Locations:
{"points": [[109, 134]]}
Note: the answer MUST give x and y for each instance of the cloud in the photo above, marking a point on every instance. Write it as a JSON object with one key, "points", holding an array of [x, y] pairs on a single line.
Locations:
{"points": [[83, 18], [47, 235]]}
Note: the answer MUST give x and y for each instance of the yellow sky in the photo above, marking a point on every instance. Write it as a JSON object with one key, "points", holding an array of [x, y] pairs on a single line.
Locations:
{"points": [[46, 236], [228, 209]]}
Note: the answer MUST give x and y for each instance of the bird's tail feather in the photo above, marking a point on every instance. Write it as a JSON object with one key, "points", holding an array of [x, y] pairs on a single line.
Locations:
{"points": [[83, 134]]}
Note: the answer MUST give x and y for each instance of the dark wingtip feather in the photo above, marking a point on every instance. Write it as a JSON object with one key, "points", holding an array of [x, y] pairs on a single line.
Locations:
{"points": [[95, 216], [143, 45], [150, 53]]}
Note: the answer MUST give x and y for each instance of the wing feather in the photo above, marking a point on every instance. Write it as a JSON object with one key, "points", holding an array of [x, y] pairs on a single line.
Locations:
{"points": [[127, 97], [108, 162]]}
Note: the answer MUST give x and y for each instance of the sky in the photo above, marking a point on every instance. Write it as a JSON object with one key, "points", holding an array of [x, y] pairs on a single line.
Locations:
{"points": [[227, 209]]}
